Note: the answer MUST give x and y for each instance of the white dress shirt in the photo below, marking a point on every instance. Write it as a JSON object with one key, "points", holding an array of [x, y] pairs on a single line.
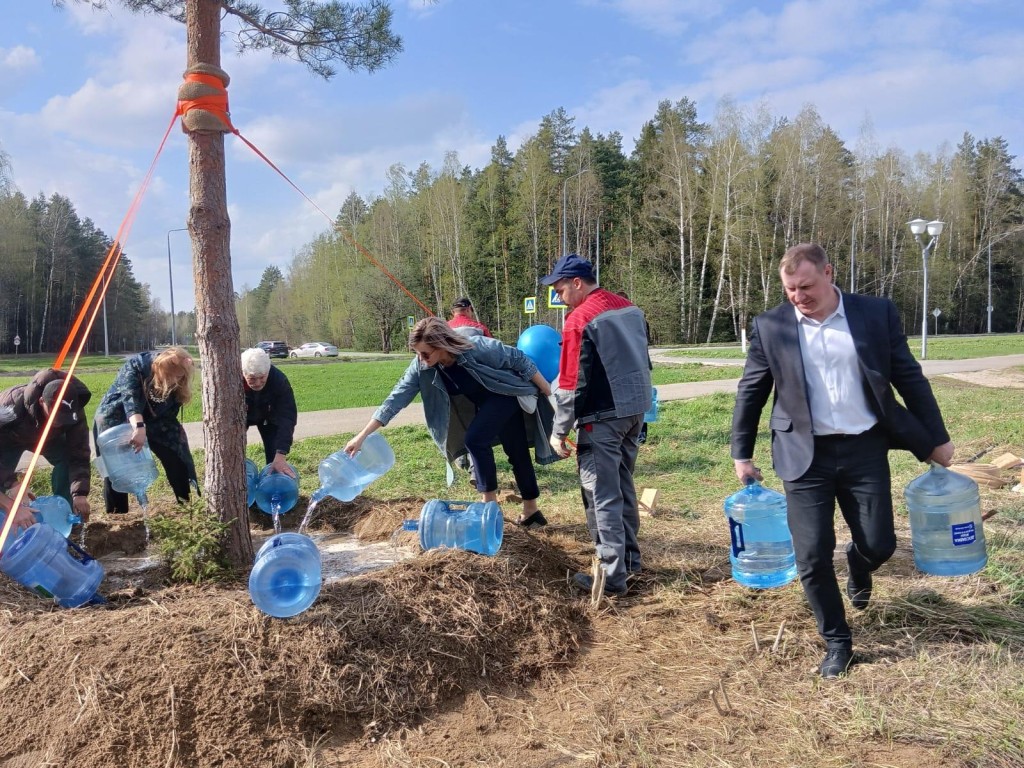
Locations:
{"points": [[835, 384]]}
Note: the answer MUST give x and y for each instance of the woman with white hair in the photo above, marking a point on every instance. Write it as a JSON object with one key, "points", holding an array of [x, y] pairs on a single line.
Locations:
{"points": [[270, 406]]}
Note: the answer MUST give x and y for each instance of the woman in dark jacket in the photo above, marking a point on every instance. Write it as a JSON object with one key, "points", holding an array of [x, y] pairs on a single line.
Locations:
{"points": [[148, 393], [270, 407]]}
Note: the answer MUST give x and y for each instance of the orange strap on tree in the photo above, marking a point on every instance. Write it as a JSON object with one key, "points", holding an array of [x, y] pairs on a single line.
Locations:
{"points": [[203, 100]]}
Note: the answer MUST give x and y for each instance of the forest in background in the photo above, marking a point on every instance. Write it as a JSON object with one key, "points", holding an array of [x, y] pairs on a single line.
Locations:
{"points": [[690, 223]]}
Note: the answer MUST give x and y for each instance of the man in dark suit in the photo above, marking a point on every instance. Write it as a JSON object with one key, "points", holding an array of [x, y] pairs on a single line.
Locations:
{"points": [[833, 360]]}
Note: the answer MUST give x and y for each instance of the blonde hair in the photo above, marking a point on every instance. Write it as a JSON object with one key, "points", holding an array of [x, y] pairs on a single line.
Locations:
{"points": [[172, 376], [436, 333], [798, 254]]}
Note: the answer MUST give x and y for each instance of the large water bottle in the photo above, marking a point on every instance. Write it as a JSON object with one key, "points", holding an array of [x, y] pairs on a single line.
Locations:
{"points": [[252, 474], [52, 567], [762, 548], [12, 535], [652, 413], [475, 526], [285, 579], [128, 470], [276, 492], [945, 523], [55, 512], [344, 477]]}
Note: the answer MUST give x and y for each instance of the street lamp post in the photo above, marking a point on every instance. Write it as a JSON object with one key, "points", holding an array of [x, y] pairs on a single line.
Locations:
{"points": [[989, 308], [565, 229], [934, 228], [170, 283]]}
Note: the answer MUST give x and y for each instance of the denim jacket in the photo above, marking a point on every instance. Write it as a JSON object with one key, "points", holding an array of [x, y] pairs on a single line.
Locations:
{"points": [[500, 368]]}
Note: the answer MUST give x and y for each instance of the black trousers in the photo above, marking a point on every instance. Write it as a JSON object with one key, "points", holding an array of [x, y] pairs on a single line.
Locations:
{"points": [[501, 416], [854, 471], [175, 469], [268, 433]]}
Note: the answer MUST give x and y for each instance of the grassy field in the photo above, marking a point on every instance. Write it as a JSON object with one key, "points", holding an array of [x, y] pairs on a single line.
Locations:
{"points": [[937, 681], [939, 348], [321, 386]]}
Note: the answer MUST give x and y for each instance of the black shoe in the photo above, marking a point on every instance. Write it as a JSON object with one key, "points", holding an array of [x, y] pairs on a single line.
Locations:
{"points": [[858, 583], [585, 582], [536, 520], [836, 663]]}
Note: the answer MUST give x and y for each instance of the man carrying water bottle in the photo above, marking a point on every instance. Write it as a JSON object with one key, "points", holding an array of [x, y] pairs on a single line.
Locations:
{"points": [[270, 407], [833, 360], [24, 410]]}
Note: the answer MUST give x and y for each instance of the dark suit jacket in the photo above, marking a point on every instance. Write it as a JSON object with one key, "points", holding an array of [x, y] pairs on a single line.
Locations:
{"points": [[774, 362]]}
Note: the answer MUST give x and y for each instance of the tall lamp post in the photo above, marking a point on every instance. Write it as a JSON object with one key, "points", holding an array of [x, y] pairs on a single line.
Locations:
{"points": [[934, 228], [565, 229], [170, 283]]}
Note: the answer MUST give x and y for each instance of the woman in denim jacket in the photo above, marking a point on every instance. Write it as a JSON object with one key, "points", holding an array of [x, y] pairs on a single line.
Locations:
{"points": [[476, 392]]}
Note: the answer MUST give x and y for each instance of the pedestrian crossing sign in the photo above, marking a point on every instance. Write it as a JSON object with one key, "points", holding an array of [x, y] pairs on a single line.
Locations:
{"points": [[530, 305], [554, 300]]}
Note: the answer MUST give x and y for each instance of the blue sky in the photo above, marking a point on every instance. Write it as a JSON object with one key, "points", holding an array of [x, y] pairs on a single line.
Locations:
{"points": [[85, 96]]}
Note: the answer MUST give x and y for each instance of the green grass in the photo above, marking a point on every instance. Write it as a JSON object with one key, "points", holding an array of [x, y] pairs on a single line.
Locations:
{"points": [[939, 348], [334, 384]]}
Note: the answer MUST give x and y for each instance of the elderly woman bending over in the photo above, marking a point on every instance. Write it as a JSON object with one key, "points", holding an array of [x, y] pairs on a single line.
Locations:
{"points": [[476, 392]]}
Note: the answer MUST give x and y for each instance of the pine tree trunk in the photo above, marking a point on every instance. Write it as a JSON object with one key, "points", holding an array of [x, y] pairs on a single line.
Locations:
{"points": [[217, 329]]}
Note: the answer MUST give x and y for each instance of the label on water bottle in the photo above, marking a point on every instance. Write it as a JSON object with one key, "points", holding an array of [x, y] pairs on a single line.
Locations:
{"points": [[42, 591], [963, 533]]}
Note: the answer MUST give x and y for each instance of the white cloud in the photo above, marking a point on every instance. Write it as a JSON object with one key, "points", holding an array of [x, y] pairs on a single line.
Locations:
{"points": [[18, 59]]}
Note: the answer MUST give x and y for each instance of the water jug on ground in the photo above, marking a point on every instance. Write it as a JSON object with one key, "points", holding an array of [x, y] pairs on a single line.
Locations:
{"points": [[252, 473], [762, 547], [55, 512], [53, 567], [285, 579], [276, 493], [128, 470], [475, 526], [344, 477], [945, 523], [652, 413]]}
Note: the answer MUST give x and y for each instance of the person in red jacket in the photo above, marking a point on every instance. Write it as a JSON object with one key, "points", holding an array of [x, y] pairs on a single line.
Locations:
{"points": [[464, 320]]}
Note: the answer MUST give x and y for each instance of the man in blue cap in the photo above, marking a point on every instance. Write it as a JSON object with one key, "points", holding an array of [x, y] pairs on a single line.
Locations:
{"points": [[604, 389]]}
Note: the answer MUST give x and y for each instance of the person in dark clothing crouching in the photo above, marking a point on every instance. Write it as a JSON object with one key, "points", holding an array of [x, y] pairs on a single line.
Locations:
{"points": [[270, 407]]}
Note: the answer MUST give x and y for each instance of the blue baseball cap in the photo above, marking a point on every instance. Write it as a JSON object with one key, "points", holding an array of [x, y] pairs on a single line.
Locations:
{"points": [[569, 266]]}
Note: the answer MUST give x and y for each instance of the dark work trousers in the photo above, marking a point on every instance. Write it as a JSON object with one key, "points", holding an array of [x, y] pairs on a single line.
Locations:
{"points": [[56, 453], [268, 433], [853, 470], [501, 415], [177, 476], [605, 456]]}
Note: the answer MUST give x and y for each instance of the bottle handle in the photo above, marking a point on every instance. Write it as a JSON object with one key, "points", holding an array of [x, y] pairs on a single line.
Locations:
{"points": [[736, 535], [85, 557]]}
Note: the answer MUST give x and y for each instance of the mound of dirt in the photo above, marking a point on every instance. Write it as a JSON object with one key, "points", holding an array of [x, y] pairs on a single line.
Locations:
{"points": [[198, 676]]}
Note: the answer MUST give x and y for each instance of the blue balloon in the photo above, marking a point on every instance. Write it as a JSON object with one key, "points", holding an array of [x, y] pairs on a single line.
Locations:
{"points": [[543, 345]]}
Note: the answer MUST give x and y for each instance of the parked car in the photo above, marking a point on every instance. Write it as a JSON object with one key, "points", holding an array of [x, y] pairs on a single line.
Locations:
{"points": [[315, 349], [274, 348]]}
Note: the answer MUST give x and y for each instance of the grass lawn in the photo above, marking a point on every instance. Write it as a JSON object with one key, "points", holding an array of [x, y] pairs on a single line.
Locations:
{"points": [[939, 348]]}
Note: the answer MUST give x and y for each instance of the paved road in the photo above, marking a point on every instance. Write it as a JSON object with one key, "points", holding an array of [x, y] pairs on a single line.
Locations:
{"points": [[322, 423]]}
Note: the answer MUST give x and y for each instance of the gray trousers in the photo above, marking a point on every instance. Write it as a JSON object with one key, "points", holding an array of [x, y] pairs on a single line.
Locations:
{"points": [[605, 455]]}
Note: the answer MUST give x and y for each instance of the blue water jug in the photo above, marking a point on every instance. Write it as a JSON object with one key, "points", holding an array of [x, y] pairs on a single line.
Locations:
{"points": [[762, 548], [945, 523], [13, 535], [55, 512], [276, 493], [53, 567], [128, 471], [285, 579], [476, 526], [652, 413], [344, 477], [252, 473]]}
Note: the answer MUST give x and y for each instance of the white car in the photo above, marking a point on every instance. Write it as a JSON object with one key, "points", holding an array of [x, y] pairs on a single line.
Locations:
{"points": [[315, 349]]}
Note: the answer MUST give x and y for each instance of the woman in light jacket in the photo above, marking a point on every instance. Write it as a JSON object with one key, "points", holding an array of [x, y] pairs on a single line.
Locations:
{"points": [[476, 392]]}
